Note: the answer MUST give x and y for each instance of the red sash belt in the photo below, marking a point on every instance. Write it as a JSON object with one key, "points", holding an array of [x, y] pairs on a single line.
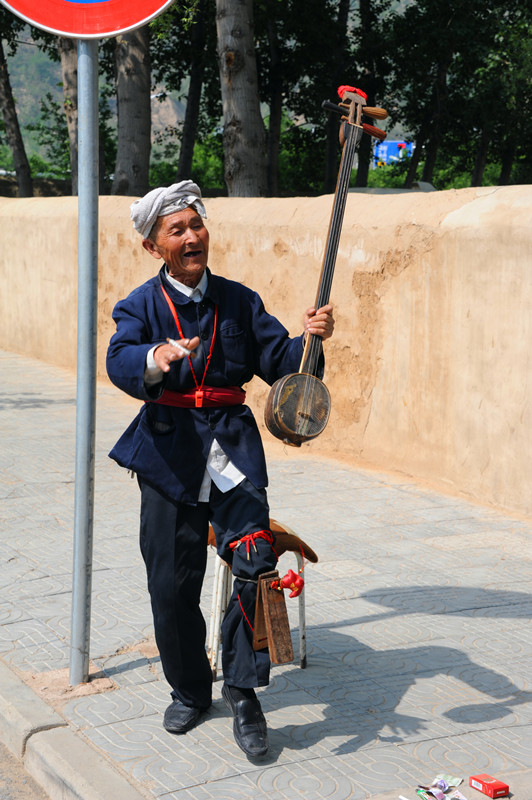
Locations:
{"points": [[206, 396]]}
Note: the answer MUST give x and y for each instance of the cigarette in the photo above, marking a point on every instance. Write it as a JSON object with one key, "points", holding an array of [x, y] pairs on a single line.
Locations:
{"points": [[184, 350]]}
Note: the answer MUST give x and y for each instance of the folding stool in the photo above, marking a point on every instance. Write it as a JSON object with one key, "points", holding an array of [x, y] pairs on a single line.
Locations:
{"points": [[285, 541]]}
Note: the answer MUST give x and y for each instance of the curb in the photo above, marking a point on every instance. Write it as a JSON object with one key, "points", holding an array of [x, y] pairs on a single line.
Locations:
{"points": [[54, 755], [22, 713], [69, 768]]}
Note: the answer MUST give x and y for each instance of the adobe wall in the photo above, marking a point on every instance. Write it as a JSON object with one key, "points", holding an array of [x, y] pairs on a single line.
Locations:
{"points": [[430, 370]]}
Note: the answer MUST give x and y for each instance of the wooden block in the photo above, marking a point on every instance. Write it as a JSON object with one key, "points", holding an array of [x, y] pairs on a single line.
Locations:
{"points": [[260, 634], [272, 618]]}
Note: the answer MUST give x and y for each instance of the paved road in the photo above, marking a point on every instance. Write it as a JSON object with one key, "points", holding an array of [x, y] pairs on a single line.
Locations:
{"points": [[419, 650]]}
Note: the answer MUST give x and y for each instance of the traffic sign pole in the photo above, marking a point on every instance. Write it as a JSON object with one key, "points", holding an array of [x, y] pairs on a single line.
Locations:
{"points": [[87, 21], [86, 363]]}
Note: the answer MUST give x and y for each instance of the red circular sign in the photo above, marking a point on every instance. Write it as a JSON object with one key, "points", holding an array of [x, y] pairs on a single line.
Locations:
{"points": [[87, 19]]}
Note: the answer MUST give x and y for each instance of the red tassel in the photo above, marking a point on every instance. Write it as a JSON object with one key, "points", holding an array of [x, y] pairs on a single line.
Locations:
{"points": [[343, 89]]}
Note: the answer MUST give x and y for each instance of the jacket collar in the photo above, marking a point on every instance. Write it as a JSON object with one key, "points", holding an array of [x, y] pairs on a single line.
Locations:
{"points": [[211, 292]]}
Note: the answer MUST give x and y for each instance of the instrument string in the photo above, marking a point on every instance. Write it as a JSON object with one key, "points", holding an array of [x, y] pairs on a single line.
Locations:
{"points": [[352, 135], [315, 346]]}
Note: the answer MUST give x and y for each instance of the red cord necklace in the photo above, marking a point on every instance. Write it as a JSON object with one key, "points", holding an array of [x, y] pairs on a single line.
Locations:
{"points": [[199, 386]]}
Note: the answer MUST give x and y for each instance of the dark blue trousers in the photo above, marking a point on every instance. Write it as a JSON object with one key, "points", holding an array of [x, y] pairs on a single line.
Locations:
{"points": [[173, 542]]}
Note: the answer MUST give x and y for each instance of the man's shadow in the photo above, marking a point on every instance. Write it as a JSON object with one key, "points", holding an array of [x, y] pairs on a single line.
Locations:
{"points": [[365, 718]]}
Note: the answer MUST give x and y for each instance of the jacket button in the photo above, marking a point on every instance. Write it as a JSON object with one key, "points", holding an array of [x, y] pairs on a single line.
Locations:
{"points": [[204, 335], [212, 426]]}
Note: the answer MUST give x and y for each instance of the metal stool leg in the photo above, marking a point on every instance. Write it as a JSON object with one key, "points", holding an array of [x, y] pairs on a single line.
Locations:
{"points": [[302, 620]]}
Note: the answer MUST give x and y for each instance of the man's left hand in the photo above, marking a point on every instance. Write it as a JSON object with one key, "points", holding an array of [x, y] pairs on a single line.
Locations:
{"points": [[320, 321]]}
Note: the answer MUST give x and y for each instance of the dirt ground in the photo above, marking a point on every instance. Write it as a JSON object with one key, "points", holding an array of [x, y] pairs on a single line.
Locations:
{"points": [[54, 687], [15, 783]]}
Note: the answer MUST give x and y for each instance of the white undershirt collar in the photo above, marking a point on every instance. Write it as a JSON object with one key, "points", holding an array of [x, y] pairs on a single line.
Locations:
{"points": [[194, 293]]}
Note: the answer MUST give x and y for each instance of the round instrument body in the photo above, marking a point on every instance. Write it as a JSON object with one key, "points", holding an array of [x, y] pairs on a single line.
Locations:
{"points": [[297, 408]]}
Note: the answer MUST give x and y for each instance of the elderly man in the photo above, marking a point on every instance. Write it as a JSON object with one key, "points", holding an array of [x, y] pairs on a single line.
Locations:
{"points": [[197, 452]]}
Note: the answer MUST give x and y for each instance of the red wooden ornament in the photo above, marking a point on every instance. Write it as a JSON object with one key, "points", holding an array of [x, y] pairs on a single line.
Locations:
{"points": [[292, 581]]}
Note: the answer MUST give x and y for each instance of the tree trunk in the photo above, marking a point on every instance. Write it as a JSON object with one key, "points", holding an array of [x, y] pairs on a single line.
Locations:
{"points": [[367, 84], [69, 70], [507, 162], [134, 113], [332, 153], [276, 110], [13, 134], [414, 162], [365, 152], [416, 155], [481, 158], [431, 152], [440, 106], [244, 136], [190, 125], [332, 150]]}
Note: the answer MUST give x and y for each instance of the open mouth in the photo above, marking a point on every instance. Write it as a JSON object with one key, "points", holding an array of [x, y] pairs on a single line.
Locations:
{"points": [[192, 254]]}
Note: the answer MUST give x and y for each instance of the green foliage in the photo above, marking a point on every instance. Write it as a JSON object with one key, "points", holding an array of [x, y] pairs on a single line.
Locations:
{"points": [[391, 176], [301, 160], [52, 132], [457, 75], [6, 158], [162, 173], [462, 85], [181, 14], [32, 76], [207, 164], [10, 28], [41, 168], [107, 131], [450, 175], [164, 157]]}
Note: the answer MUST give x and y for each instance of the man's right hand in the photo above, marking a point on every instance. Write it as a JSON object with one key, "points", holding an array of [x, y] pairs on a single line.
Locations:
{"points": [[165, 354]]}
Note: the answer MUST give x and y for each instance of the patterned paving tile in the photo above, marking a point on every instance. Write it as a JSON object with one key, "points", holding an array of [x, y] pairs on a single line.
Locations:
{"points": [[26, 633], [515, 741], [157, 759], [99, 710], [312, 729], [315, 779], [383, 769], [12, 612], [418, 645], [237, 787], [49, 655], [359, 696], [130, 668], [462, 755]]}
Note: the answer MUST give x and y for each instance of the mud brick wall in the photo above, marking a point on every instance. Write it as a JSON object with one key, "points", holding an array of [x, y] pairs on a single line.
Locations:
{"points": [[430, 369]]}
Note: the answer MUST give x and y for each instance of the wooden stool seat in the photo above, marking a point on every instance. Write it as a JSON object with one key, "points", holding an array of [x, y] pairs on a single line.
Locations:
{"points": [[286, 541]]}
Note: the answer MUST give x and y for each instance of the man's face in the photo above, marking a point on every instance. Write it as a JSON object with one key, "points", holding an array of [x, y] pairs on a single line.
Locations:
{"points": [[182, 240]]}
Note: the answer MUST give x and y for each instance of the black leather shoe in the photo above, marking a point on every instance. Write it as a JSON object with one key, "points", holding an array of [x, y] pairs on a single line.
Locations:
{"points": [[249, 725], [180, 719]]}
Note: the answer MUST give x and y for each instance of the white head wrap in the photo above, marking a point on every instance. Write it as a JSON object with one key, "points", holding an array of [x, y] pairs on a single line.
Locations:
{"points": [[163, 201]]}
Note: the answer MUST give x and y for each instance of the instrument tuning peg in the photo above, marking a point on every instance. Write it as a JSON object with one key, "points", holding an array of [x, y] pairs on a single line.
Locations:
{"points": [[375, 113], [374, 131], [328, 106]]}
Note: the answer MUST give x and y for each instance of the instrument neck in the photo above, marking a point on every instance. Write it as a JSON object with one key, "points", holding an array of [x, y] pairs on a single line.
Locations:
{"points": [[313, 345]]}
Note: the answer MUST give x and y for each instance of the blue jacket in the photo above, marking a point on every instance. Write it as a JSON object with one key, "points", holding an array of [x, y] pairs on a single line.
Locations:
{"points": [[168, 446]]}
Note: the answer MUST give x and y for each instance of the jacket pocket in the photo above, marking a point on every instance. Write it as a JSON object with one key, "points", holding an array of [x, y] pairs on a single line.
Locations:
{"points": [[234, 344], [157, 426]]}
